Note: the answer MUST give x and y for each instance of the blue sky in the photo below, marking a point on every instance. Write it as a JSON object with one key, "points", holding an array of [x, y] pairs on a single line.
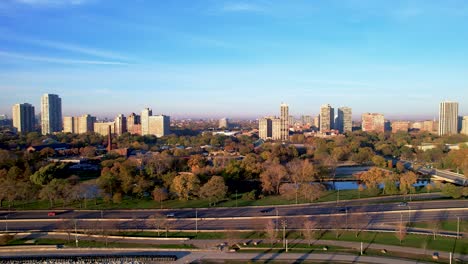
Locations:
{"points": [[238, 59]]}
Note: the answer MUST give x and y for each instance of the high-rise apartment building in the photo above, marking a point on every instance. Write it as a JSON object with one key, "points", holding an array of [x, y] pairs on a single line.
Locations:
{"points": [[23, 117], [265, 128], [78, 124], [400, 126], [327, 118], [120, 124], [277, 129], [306, 120], [134, 124], [284, 119], [69, 124], [448, 118], [51, 113], [344, 121], [464, 129], [317, 122], [430, 126], [102, 128], [145, 114], [270, 128], [223, 123], [373, 122], [86, 124], [159, 125]]}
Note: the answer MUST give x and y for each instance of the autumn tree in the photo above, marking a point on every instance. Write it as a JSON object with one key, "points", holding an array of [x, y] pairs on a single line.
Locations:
{"points": [[158, 165], [160, 194], [196, 162], [372, 178], [270, 231], [54, 191], [186, 185], [379, 161], [272, 178], [301, 171], [312, 191], [308, 230], [157, 221], [88, 152], [407, 180], [401, 231], [215, 189]]}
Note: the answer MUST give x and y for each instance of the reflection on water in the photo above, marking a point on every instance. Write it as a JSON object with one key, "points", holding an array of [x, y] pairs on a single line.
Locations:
{"points": [[354, 185]]}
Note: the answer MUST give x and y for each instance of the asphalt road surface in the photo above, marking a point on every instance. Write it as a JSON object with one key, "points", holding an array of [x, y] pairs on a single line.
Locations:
{"points": [[246, 218]]}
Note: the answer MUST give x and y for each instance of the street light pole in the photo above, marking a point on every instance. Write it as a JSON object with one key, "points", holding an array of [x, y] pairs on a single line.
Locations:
{"points": [[277, 219], [338, 196], [76, 234], [346, 210], [236, 198], [284, 224], [409, 214]]}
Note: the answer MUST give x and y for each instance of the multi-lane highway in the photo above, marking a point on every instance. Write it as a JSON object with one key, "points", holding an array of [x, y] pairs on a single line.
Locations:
{"points": [[326, 215]]}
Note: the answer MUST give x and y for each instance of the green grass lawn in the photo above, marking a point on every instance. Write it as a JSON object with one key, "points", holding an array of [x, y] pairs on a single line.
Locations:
{"points": [[95, 244], [444, 225], [416, 241]]}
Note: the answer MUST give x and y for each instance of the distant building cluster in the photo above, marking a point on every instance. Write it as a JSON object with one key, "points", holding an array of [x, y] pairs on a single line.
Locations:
{"points": [[51, 120], [330, 122], [276, 128]]}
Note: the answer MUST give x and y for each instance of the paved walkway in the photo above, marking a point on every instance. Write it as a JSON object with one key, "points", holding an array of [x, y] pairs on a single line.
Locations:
{"points": [[346, 244], [292, 258], [212, 243]]}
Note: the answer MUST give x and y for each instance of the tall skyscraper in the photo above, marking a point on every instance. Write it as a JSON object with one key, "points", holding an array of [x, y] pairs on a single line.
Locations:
{"points": [[448, 118], [145, 114], [284, 119], [23, 117], [120, 124], [464, 129], [327, 118], [344, 120], [51, 113], [373, 122]]}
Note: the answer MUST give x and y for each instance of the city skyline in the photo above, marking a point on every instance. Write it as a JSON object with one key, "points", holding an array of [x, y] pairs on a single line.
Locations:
{"points": [[205, 59]]}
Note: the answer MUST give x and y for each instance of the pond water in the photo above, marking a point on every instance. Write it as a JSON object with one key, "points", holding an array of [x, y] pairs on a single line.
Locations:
{"points": [[354, 185]]}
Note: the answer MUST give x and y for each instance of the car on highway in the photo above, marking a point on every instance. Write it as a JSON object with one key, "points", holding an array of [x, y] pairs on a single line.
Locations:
{"points": [[343, 209], [51, 214], [170, 215], [266, 210], [403, 204]]}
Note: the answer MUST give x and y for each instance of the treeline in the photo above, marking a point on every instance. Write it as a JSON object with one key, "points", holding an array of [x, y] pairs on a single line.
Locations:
{"points": [[226, 165]]}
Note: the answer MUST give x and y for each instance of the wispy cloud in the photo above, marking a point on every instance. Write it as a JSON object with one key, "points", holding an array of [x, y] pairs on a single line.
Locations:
{"points": [[241, 7], [51, 2], [28, 57], [63, 46]]}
